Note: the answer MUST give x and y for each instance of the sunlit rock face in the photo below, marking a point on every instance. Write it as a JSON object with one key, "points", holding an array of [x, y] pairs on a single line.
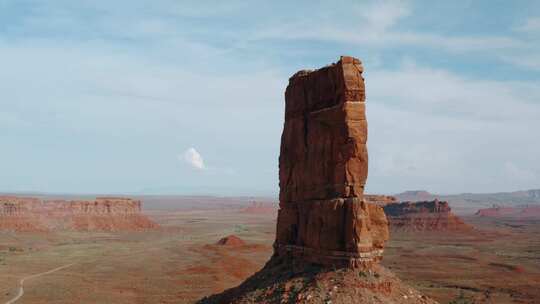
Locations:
{"points": [[19, 214], [323, 167], [423, 216], [101, 214]]}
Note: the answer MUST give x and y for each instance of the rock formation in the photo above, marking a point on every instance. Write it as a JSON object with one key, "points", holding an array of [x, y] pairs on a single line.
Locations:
{"points": [[415, 196], [323, 168], [231, 240], [101, 214], [329, 239], [526, 212], [423, 216], [18, 214], [380, 200]]}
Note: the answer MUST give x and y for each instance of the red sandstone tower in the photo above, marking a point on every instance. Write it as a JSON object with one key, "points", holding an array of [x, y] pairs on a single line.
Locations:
{"points": [[323, 168]]}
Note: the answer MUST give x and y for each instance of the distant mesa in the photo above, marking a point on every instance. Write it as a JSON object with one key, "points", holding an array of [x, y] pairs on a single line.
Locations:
{"points": [[519, 212], [19, 214], [102, 214], [231, 240], [423, 216], [415, 196]]}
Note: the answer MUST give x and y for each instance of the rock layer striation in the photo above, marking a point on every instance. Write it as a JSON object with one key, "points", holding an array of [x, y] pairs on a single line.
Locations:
{"points": [[101, 214], [19, 214]]}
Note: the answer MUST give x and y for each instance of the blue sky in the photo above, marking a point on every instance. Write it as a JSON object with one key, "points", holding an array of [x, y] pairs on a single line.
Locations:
{"points": [[187, 97]]}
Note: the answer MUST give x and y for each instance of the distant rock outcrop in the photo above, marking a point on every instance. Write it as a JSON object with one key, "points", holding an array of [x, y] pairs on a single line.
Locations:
{"points": [[423, 216], [101, 214], [18, 214], [231, 240], [519, 212], [380, 200], [329, 238], [415, 196]]}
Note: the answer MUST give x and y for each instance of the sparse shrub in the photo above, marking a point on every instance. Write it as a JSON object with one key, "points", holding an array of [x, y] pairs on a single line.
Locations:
{"points": [[462, 299], [240, 228]]}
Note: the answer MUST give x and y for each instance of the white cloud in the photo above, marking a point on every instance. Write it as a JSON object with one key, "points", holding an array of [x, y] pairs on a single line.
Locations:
{"points": [[376, 25], [383, 15], [193, 158]]}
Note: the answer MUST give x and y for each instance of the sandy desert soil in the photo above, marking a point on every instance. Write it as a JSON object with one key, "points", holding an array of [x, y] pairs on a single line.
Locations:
{"points": [[181, 262]]}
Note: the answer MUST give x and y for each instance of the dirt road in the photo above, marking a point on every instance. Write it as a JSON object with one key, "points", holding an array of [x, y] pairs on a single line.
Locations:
{"points": [[21, 282]]}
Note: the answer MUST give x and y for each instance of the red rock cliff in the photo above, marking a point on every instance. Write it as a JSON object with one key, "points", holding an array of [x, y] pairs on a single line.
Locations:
{"points": [[423, 216], [18, 214], [323, 168], [101, 214]]}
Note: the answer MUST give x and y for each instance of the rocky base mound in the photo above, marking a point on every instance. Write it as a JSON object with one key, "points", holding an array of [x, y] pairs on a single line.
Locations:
{"points": [[286, 281], [423, 216]]}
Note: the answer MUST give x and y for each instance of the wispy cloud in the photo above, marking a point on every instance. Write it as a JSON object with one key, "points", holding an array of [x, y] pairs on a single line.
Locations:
{"points": [[531, 25], [529, 60], [442, 93], [377, 25], [193, 158]]}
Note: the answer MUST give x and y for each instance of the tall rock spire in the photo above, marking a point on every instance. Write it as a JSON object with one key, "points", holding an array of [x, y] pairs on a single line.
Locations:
{"points": [[323, 167], [327, 234]]}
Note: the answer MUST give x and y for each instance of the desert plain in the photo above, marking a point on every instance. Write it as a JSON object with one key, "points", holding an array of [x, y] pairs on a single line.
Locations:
{"points": [[498, 261]]}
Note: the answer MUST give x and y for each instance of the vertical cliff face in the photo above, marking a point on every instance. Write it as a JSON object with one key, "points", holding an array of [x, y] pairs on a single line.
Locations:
{"points": [[101, 214], [323, 146], [18, 214], [99, 206], [323, 168]]}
